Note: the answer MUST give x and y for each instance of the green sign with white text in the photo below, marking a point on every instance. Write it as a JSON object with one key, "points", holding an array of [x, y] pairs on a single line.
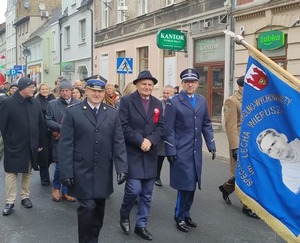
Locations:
{"points": [[271, 40], [171, 39]]}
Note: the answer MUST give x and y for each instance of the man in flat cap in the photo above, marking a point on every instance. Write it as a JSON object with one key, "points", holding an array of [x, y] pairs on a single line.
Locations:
{"points": [[232, 116], [54, 116], [22, 128], [91, 142], [142, 123], [186, 120]]}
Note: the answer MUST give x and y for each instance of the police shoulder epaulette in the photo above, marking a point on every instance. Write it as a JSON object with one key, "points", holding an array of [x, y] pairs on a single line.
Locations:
{"points": [[69, 106]]}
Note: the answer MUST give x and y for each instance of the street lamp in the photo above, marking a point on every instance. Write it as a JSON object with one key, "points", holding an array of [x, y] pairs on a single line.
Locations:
{"points": [[26, 53]]}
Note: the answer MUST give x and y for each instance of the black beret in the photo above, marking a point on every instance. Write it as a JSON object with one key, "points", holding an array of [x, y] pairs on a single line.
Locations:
{"points": [[240, 81]]}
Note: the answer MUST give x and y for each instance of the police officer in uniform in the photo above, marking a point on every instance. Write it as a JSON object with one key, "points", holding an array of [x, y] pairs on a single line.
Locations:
{"points": [[187, 119], [91, 142]]}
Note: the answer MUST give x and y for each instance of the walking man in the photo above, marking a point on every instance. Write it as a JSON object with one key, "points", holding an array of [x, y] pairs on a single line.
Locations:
{"points": [[186, 120], [21, 125]]}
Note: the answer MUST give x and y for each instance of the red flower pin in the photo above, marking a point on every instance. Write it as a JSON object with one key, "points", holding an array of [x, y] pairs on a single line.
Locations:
{"points": [[156, 113]]}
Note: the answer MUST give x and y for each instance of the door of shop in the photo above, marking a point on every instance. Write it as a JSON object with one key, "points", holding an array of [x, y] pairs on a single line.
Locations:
{"points": [[211, 86]]}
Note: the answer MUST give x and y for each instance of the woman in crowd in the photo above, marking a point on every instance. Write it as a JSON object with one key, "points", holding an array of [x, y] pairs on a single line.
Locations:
{"points": [[45, 156], [77, 94]]}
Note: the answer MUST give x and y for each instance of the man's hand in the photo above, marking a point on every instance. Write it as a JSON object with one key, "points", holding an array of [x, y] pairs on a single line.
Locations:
{"points": [[235, 153], [213, 153], [68, 182], [121, 178], [146, 145], [172, 158]]}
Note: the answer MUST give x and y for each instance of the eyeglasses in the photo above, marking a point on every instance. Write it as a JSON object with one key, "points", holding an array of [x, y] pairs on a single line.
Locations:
{"points": [[190, 81]]}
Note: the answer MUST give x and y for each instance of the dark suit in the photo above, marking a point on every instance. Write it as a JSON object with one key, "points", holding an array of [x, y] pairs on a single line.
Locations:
{"points": [[184, 127], [87, 150], [142, 166]]}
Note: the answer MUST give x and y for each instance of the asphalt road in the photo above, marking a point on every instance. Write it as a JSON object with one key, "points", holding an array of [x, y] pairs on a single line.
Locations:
{"points": [[51, 222]]}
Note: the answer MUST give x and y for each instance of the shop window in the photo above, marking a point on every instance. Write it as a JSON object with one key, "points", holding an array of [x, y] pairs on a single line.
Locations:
{"points": [[143, 58]]}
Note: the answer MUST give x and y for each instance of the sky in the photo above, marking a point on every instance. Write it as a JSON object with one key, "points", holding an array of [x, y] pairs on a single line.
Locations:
{"points": [[2, 10]]}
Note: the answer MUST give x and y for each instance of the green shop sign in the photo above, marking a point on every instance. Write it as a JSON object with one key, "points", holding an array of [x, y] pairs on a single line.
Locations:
{"points": [[171, 39], [271, 40]]}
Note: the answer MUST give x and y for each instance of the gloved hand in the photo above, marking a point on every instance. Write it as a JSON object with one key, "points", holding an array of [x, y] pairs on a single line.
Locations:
{"points": [[235, 153], [213, 153], [121, 178], [172, 158], [68, 182]]}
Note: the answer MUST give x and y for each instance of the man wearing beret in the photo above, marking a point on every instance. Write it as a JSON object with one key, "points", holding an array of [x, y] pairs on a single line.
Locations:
{"points": [[232, 116], [22, 128], [54, 116], [91, 142], [187, 119], [142, 123]]}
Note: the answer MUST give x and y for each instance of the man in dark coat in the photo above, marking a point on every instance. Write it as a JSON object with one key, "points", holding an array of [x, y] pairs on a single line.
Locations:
{"points": [[91, 141], [21, 125], [142, 123], [54, 115], [187, 119]]}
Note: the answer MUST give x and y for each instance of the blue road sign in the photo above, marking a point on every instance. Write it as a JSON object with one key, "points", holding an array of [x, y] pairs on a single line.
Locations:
{"points": [[124, 65]]}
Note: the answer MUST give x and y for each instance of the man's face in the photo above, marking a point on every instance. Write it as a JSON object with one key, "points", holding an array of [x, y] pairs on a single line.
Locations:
{"points": [[65, 93], [6, 85], [95, 97], [28, 92], [12, 90], [145, 87], [275, 146], [189, 86], [78, 84], [167, 92]]}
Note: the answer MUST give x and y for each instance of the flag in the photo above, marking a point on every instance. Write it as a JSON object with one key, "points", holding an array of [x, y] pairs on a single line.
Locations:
{"points": [[268, 166]]}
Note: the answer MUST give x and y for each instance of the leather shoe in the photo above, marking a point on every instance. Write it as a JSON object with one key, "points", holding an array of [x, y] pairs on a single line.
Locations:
{"points": [[8, 209], [182, 226], [68, 198], [55, 195], [158, 182], [190, 222], [26, 203], [225, 194], [250, 213], [143, 232], [125, 224]]}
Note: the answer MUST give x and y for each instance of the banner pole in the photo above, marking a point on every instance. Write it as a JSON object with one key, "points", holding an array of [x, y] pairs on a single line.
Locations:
{"points": [[238, 39]]}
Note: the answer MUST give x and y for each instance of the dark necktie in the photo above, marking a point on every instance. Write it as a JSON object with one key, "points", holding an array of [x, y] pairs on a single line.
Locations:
{"points": [[95, 113], [145, 104]]}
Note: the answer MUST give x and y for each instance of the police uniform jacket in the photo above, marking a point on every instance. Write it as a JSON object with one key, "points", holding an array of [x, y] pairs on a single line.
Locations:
{"points": [[232, 117], [138, 125], [89, 147], [184, 127], [22, 128], [54, 115]]}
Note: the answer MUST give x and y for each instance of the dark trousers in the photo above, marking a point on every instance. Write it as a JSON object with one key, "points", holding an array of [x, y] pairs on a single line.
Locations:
{"points": [[183, 205], [229, 185], [160, 161], [90, 214]]}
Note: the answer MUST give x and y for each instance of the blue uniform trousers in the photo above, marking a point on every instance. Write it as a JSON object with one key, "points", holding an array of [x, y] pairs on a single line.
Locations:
{"points": [[183, 205], [141, 188]]}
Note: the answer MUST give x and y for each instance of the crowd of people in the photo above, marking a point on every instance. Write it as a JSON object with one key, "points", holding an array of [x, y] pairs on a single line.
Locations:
{"points": [[87, 127]]}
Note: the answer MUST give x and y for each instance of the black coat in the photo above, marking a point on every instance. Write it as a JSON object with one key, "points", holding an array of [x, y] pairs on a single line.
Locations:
{"points": [[88, 149], [21, 125], [137, 125]]}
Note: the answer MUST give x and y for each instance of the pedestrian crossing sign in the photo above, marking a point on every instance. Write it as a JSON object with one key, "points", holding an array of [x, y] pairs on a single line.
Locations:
{"points": [[124, 65]]}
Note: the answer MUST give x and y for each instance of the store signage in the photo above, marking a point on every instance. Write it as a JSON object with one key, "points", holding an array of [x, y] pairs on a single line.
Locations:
{"points": [[171, 39], [68, 67], [271, 40]]}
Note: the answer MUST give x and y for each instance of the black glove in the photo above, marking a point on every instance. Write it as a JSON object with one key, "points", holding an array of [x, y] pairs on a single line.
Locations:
{"points": [[213, 153], [172, 158], [68, 182], [121, 178], [235, 153]]}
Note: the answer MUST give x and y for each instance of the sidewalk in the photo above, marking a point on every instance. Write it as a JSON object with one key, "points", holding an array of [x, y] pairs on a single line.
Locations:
{"points": [[221, 145]]}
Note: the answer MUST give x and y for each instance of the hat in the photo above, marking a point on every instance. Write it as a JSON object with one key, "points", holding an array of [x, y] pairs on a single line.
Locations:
{"points": [[189, 74], [24, 82], [240, 81], [14, 84], [65, 84], [95, 84], [145, 75]]}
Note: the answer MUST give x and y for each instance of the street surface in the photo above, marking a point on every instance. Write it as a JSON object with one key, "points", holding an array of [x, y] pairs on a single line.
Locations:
{"points": [[49, 222]]}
